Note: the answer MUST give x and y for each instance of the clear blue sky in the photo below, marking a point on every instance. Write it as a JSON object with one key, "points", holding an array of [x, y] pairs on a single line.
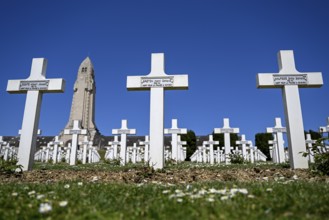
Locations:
{"points": [[221, 45]]}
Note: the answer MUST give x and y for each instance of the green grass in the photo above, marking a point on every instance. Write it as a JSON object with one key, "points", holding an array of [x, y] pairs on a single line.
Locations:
{"points": [[271, 200]]}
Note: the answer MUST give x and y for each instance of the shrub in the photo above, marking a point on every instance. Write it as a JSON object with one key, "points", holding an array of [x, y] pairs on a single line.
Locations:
{"points": [[237, 158], [321, 159]]}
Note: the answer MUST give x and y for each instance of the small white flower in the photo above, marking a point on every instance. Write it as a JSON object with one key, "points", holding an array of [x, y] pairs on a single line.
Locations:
{"points": [[14, 194], [45, 207], [265, 178], [31, 193], [165, 191], [178, 191], [179, 200], [224, 198], [80, 183], [40, 196], [269, 189], [66, 186], [202, 192], [251, 196], [63, 203], [212, 190], [243, 191], [95, 178], [210, 199], [295, 177], [188, 187]]}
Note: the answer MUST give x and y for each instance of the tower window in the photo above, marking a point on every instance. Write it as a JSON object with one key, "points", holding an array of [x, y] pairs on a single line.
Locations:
{"points": [[84, 69]]}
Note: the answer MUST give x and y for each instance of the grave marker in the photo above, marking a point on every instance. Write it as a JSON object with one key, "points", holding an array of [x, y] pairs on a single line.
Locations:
{"points": [[115, 143], [211, 144], [277, 131], [174, 131], [289, 80], [85, 144], [227, 130], [34, 86], [123, 131], [57, 143], [157, 81], [75, 132], [309, 142], [146, 143], [243, 142]]}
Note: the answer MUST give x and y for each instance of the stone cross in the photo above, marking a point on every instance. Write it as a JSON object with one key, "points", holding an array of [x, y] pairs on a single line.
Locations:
{"points": [[48, 149], [243, 142], [227, 130], [85, 144], [289, 80], [115, 144], [204, 152], [274, 155], [2, 143], [277, 131], [57, 143], [68, 152], [134, 153], [211, 144], [146, 143], [180, 149], [309, 142], [123, 131], [75, 131], [34, 86], [174, 131], [325, 129], [157, 81]]}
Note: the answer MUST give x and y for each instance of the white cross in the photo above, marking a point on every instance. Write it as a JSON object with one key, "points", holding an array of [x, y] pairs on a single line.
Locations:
{"points": [[134, 153], [75, 131], [115, 144], [2, 143], [211, 144], [57, 143], [277, 131], [157, 81], [180, 143], [85, 144], [174, 131], [325, 129], [123, 144], [289, 80], [309, 142], [274, 154], [243, 142], [34, 86], [227, 130], [146, 143]]}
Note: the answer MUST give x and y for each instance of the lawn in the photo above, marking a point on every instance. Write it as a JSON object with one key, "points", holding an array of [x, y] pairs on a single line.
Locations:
{"points": [[93, 198]]}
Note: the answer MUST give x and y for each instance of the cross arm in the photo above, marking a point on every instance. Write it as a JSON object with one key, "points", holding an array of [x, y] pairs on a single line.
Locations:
{"points": [[169, 82], [275, 80], [46, 85]]}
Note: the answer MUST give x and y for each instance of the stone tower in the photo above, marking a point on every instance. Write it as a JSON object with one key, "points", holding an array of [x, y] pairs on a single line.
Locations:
{"points": [[83, 102]]}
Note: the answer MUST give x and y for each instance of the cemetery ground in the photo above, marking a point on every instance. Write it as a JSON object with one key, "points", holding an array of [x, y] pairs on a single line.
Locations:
{"points": [[180, 191]]}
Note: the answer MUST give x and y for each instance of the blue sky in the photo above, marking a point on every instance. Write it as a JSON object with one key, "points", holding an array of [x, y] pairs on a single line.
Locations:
{"points": [[221, 45]]}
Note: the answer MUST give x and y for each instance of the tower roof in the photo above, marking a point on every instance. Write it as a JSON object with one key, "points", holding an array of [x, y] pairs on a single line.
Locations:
{"points": [[87, 63]]}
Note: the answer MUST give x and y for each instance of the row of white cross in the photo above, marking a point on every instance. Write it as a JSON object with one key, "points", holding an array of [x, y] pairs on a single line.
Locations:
{"points": [[288, 79]]}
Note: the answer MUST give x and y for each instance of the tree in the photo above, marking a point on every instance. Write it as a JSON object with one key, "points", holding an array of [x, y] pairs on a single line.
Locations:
{"points": [[190, 139], [261, 141]]}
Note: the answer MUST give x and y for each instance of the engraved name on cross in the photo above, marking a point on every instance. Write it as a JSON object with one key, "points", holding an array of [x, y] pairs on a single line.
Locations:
{"points": [[289, 80], [34, 86], [157, 81]]}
